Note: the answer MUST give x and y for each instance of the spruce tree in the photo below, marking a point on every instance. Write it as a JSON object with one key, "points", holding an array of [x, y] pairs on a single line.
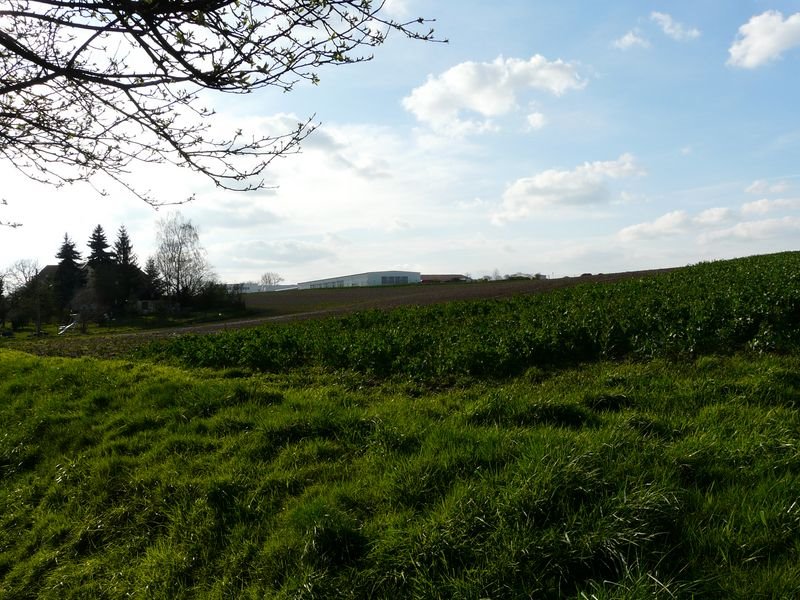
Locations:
{"points": [[127, 276], [69, 275], [102, 272], [154, 286], [98, 244], [123, 249]]}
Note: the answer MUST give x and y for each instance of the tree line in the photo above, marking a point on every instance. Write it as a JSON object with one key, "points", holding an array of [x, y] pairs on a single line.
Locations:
{"points": [[110, 283]]}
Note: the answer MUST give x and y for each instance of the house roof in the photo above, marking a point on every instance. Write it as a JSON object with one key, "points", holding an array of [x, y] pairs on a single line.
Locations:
{"points": [[47, 271]]}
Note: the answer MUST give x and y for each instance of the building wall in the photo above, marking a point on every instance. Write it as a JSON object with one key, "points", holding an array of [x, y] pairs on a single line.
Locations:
{"points": [[363, 280]]}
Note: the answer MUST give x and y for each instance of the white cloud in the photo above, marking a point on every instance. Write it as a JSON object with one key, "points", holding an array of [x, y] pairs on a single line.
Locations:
{"points": [[677, 31], [706, 224], [632, 39], [487, 89], [713, 216], [396, 8], [536, 121], [584, 185], [762, 187], [672, 223], [756, 230], [763, 206], [764, 38]]}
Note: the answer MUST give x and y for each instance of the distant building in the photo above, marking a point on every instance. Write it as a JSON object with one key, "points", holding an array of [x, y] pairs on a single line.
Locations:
{"points": [[251, 287], [449, 278], [374, 278]]}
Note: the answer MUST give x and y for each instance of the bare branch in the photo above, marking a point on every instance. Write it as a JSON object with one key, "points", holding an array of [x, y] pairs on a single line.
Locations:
{"points": [[92, 87]]}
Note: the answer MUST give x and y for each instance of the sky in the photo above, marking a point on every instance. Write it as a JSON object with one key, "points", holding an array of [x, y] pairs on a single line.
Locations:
{"points": [[544, 137]]}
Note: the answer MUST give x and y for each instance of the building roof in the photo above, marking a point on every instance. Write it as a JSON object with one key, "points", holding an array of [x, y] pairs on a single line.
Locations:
{"points": [[392, 271]]}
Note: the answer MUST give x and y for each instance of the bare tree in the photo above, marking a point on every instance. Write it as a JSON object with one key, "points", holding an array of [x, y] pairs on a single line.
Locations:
{"points": [[270, 279], [29, 294], [180, 259], [96, 86], [20, 274]]}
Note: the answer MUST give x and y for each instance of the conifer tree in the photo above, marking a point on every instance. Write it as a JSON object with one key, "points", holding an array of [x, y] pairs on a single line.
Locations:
{"points": [[102, 274], [127, 276], [98, 245], [153, 286], [69, 275], [123, 249]]}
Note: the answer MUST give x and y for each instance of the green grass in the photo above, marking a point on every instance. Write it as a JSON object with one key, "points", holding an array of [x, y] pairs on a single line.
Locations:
{"points": [[635, 440], [623, 480]]}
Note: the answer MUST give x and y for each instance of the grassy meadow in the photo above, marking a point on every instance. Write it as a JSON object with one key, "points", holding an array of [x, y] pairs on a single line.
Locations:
{"points": [[631, 440]]}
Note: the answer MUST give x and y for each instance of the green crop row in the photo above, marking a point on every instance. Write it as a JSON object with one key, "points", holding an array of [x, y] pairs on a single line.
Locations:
{"points": [[718, 307]]}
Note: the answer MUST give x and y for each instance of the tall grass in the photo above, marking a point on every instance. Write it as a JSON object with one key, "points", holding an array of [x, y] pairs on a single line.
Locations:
{"points": [[613, 480]]}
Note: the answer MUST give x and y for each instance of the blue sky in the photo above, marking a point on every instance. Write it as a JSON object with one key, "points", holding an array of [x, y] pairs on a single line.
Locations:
{"points": [[544, 137]]}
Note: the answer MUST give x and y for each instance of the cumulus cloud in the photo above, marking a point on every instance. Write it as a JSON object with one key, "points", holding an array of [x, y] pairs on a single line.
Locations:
{"points": [[487, 90], [584, 185], [756, 230], [677, 31], [714, 224], [713, 216], [676, 222], [632, 39], [764, 38], [762, 187], [672, 223], [763, 206]]}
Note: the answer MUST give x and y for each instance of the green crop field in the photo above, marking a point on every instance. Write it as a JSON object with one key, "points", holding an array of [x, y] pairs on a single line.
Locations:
{"points": [[638, 439]]}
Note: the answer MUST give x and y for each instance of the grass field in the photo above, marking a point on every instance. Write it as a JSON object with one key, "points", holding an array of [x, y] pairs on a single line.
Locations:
{"points": [[632, 440]]}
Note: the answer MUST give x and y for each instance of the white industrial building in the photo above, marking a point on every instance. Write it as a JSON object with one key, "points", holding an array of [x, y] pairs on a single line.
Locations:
{"points": [[363, 280], [252, 287]]}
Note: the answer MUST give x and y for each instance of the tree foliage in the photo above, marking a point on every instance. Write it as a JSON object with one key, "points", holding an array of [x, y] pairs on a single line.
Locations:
{"points": [[123, 249], [153, 287], [127, 278], [69, 275], [98, 246], [96, 86]]}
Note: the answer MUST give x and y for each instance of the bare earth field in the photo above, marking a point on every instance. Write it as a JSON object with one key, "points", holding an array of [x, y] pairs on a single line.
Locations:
{"points": [[295, 304], [292, 305]]}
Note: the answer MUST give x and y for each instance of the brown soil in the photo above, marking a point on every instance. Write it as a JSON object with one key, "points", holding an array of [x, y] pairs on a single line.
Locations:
{"points": [[310, 304]]}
